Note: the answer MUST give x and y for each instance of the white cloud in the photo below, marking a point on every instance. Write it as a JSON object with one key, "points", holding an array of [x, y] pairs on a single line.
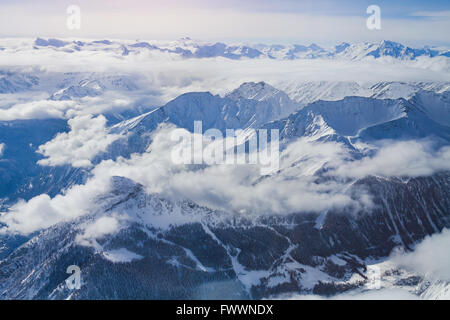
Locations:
{"points": [[97, 229], [2, 148], [406, 158], [161, 77], [42, 211], [41, 109], [87, 138], [17, 109], [227, 187], [430, 257], [121, 255], [27, 220], [234, 188]]}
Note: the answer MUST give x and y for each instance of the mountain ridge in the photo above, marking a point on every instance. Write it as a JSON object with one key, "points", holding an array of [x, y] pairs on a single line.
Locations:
{"points": [[192, 49]]}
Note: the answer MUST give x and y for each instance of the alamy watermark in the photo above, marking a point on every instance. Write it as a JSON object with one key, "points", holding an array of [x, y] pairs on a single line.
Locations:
{"points": [[374, 20], [73, 21], [74, 281], [251, 146]]}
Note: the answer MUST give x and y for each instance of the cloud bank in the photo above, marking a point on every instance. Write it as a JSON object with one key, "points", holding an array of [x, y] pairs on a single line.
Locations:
{"points": [[42, 211], [87, 137], [406, 158], [17, 109], [97, 229], [231, 188], [429, 258]]}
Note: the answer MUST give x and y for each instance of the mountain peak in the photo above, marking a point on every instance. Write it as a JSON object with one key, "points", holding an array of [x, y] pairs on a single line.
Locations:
{"points": [[390, 43], [315, 47], [122, 184], [253, 90]]}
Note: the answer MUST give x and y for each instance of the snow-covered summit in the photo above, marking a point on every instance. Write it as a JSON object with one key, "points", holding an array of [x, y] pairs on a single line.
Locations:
{"points": [[256, 91]]}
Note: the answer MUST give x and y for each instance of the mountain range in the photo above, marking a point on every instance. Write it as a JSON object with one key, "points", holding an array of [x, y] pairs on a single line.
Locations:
{"points": [[161, 247], [188, 48]]}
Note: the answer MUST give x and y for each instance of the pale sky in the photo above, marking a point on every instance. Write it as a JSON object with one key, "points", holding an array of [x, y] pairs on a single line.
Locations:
{"points": [[303, 21]]}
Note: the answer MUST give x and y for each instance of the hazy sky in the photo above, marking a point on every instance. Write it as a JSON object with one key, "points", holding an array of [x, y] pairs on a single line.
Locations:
{"points": [[321, 21]]}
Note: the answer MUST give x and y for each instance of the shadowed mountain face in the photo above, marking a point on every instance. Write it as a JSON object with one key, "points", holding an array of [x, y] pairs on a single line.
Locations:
{"points": [[19, 172], [165, 248]]}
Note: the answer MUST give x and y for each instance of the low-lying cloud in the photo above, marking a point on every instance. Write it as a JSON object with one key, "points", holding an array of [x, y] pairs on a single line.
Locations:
{"points": [[405, 158], [99, 228], [41, 109], [430, 257], [230, 188], [87, 137], [162, 77], [17, 109]]}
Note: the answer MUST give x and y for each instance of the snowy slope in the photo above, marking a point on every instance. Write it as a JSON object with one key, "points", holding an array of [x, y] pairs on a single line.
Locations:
{"points": [[365, 119], [94, 85], [306, 92], [383, 49]]}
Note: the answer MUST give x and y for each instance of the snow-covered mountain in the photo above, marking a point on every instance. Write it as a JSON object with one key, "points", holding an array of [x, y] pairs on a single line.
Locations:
{"points": [[188, 48], [358, 118], [385, 49], [94, 86], [134, 243], [306, 92], [11, 82], [251, 105], [295, 51], [258, 105], [164, 250]]}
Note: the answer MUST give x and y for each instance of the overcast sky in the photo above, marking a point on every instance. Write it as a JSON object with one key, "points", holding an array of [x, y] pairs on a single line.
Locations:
{"points": [[320, 21]]}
